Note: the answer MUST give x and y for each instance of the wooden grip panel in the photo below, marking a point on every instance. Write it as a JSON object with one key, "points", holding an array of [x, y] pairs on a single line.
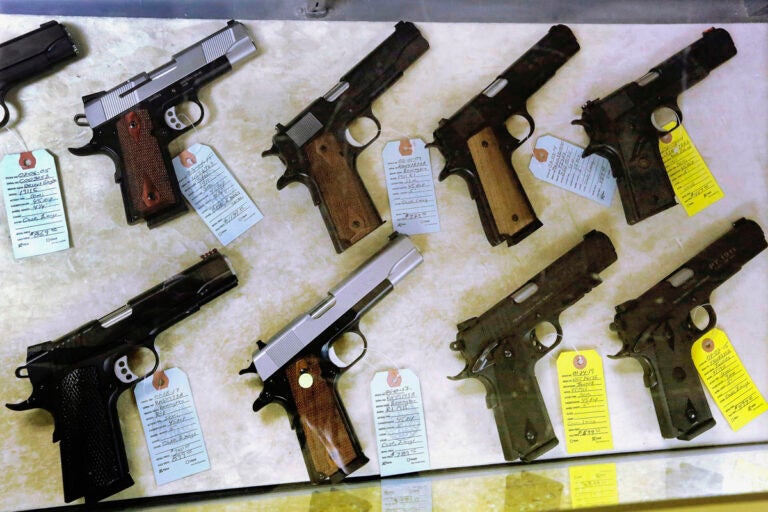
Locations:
{"points": [[328, 444], [346, 206], [509, 206], [146, 174]]}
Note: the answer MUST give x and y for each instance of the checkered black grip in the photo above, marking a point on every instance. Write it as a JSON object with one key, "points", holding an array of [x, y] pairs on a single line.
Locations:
{"points": [[93, 460]]}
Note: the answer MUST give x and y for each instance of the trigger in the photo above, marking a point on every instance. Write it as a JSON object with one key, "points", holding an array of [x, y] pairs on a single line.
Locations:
{"points": [[123, 372]]}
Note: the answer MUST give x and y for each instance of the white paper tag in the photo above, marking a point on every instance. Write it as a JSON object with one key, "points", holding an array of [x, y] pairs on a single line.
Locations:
{"points": [[168, 415], [410, 187], [398, 414], [33, 204], [214, 193], [559, 163], [406, 495]]}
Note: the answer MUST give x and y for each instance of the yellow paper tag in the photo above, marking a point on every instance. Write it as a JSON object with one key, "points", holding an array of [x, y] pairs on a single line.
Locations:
{"points": [[726, 379], [585, 404], [692, 182], [593, 485]]}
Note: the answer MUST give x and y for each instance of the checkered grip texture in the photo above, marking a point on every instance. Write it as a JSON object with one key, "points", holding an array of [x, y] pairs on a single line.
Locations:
{"points": [[89, 451], [144, 166]]}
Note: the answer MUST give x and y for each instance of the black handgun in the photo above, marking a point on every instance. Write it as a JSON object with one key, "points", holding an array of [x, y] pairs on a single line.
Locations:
{"points": [[501, 346], [316, 151], [135, 122], [79, 377], [620, 127], [658, 331], [478, 147], [31, 55]]}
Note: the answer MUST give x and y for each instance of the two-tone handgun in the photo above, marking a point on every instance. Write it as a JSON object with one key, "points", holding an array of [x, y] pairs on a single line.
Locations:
{"points": [[135, 122], [315, 147], [501, 347], [478, 147], [296, 368], [79, 376], [31, 55], [657, 329], [620, 126]]}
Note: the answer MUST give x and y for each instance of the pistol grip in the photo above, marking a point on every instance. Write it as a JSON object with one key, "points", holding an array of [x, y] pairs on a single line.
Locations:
{"points": [[346, 206], [148, 182], [328, 442], [93, 460], [505, 211], [641, 177], [525, 430], [678, 396]]}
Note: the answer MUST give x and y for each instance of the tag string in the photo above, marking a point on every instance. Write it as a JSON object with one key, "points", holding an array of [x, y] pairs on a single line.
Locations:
{"points": [[18, 137], [189, 122], [380, 355]]}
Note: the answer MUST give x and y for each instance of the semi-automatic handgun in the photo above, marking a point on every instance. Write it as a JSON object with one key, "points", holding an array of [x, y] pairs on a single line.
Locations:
{"points": [[32, 54], [657, 329], [620, 126], [296, 368], [315, 148], [135, 122], [478, 147], [79, 376], [501, 347]]}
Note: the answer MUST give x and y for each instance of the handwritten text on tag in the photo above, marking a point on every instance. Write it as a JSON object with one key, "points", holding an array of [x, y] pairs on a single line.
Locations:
{"points": [[410, 186], [560, 163], [214, 194], [398, 414], [168, 415], [33, 203]]}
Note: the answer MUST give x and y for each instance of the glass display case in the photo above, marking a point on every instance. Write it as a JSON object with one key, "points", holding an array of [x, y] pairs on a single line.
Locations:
{"points": [[369, 117]]}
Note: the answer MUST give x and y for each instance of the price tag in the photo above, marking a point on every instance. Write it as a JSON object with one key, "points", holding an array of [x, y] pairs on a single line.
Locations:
{"points": [[593, 485], [33, 204], [214, 193], [691, 180], [168, 415], [727, 380], [398, 414], [560, 163], [410, 187], [584, 401]]}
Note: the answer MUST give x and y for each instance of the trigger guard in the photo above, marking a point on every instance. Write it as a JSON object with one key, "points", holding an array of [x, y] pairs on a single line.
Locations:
{"points": [[335, 360], [712, 319], [174, 122], [124, 373], [352, 141], [6, 114], [531, 126], [541, 347], [678, 119]]}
